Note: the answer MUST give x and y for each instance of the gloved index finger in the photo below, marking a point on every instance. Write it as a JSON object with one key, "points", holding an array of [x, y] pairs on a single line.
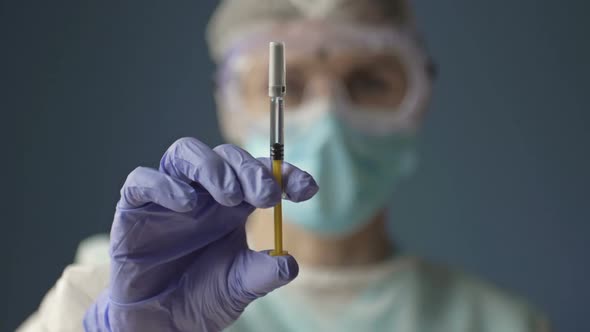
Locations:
{"points": [[190, 160], [258, 185], [145, 185]]}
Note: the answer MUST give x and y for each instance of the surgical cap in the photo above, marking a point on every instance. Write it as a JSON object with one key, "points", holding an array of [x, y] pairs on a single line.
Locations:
{"points": [[232, 18]]}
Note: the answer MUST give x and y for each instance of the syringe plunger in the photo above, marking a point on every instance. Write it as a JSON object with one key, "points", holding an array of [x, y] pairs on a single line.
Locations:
{"points": [[276, 69]]}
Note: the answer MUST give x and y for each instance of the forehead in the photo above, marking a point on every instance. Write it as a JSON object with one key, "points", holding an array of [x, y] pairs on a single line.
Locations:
{"points": [[314, 42]]}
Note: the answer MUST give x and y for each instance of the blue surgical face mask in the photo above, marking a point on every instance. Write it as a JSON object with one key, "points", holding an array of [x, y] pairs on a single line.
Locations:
{"points": [[356, 172]]}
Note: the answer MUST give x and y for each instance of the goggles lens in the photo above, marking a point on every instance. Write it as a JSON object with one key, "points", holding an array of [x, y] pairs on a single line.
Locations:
{"points": [[381, 74], [374, 81]]}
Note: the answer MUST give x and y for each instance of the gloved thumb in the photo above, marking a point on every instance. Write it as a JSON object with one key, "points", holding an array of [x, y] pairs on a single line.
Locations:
{"points": [[254, 274]]}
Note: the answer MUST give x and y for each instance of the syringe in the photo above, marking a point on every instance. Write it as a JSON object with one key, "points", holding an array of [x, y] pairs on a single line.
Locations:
{"points": [[276, 92]]}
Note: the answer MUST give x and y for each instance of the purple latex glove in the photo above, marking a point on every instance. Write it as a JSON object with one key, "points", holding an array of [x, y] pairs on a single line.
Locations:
{"points": [[179, 258]]}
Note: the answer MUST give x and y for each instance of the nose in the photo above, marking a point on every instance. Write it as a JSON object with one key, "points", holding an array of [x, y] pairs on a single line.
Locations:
{"points": [[321, 86]]}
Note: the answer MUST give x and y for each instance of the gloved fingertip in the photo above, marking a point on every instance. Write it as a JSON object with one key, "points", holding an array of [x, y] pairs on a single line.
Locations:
{"points": [[312, 188], [260, 273], [288, 267], [302, 188]]}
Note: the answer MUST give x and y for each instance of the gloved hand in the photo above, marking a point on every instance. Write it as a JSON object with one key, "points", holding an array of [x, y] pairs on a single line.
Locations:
{"points": [[179, 258]]}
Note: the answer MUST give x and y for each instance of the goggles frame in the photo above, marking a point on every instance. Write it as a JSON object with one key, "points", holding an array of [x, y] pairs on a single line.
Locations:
{"points": [[402, 43]]}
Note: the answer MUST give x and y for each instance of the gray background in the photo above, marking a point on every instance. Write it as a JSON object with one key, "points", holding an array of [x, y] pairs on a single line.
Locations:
{"points": [[502, 190]]}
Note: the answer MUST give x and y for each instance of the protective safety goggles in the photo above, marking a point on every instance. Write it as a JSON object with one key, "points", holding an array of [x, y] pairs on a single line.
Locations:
{"points": [[379, 77]]}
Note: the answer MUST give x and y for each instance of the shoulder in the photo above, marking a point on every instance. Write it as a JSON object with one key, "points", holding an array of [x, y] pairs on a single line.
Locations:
{"points": [[63, 307], [444, 292]]}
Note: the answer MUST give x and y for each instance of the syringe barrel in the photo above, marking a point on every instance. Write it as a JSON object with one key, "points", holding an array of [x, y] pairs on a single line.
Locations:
{"points": [[276, 120]]}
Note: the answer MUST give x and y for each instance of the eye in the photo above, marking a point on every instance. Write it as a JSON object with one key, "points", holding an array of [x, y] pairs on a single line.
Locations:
{"points": [[362, 84], [380, 83]]}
